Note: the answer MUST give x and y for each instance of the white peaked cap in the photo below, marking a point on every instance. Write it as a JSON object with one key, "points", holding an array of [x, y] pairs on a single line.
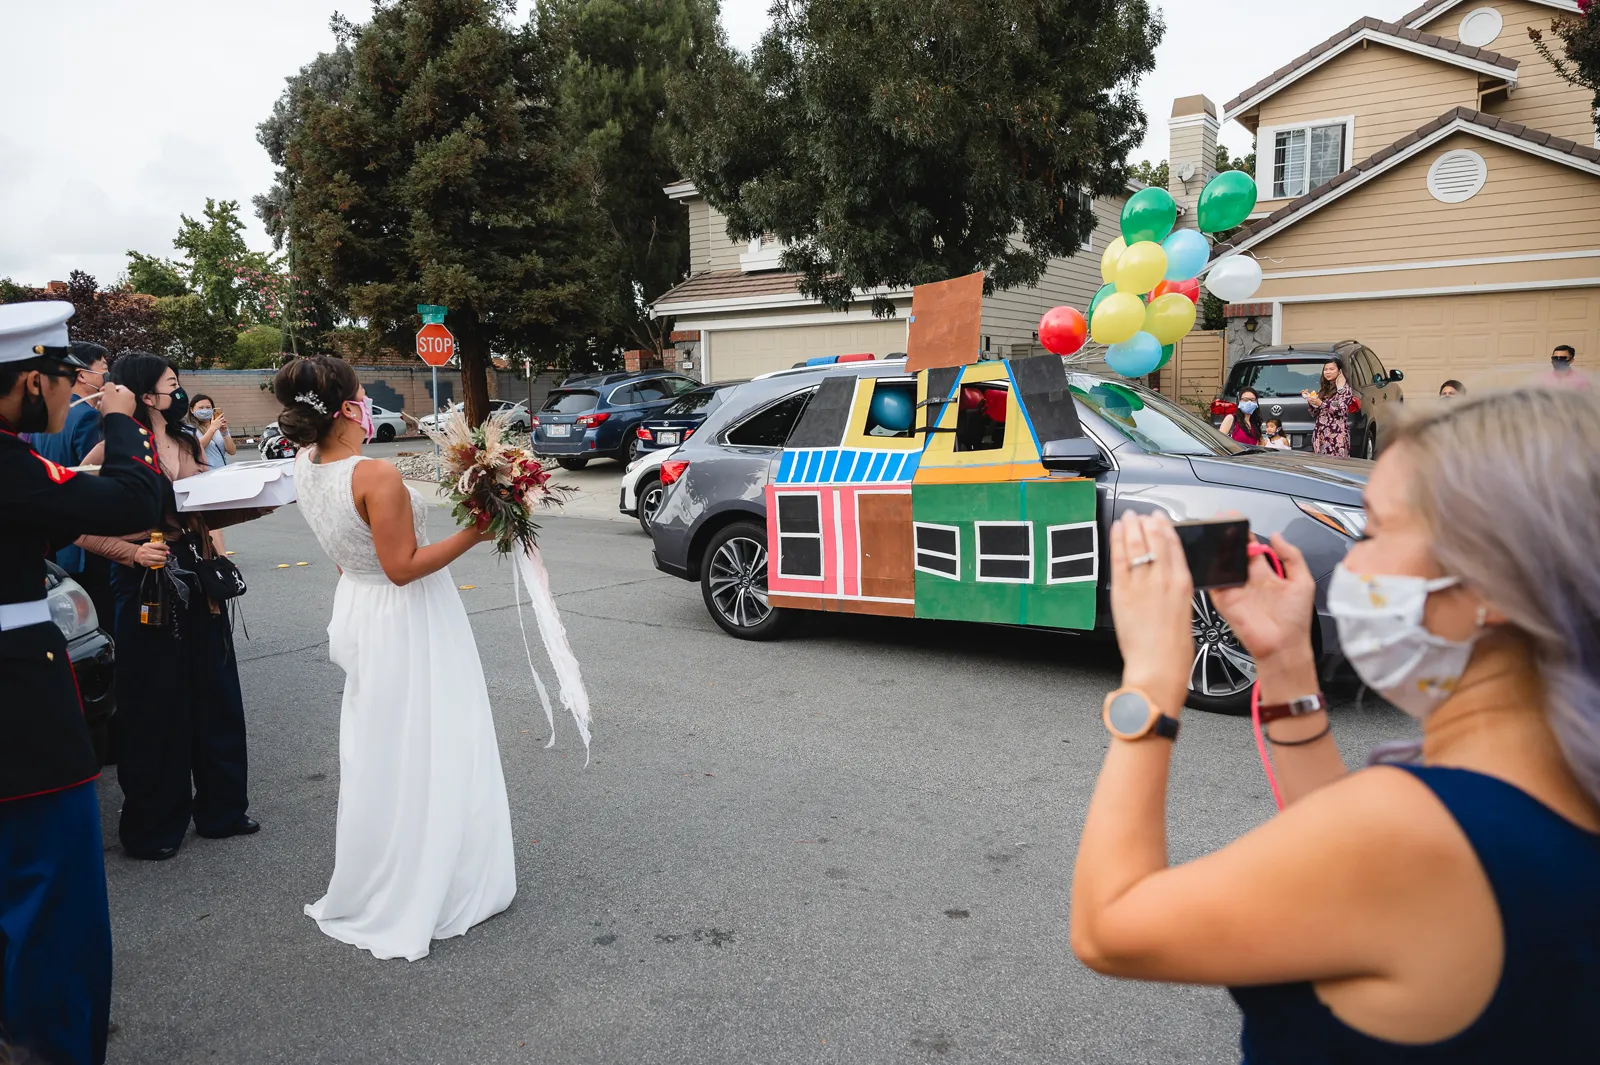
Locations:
{"points": [[29, 330]]}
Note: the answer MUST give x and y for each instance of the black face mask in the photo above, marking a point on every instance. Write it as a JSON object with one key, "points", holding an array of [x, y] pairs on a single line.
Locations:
{"points": [[1560, 363], [35, 414], [175, 412]]}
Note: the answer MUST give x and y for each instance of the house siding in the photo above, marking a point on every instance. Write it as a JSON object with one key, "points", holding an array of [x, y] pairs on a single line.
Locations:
{"points": [[1011, 317], [699, 236], [722, 252], [1541, 99], [1528, 205]]}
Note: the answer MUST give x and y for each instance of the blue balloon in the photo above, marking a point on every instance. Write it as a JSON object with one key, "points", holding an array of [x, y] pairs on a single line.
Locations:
{"points": [[891, 409], [1187, 252], [1136, 357]]}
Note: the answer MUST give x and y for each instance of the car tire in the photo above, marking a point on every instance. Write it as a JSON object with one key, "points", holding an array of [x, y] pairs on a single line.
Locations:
{"points": [[650, 493], [733, 582], [630, 454], [567, 462], [385, 433], [1222, 674], [1369, 447]]}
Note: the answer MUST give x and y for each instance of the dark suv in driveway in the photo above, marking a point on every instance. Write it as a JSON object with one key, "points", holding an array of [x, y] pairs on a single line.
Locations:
{"points": [[596, 416], [1279, 374], [1147, 454]]}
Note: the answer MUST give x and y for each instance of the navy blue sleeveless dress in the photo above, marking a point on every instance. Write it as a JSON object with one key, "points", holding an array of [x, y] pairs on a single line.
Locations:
{"points": [[1545, 872]]}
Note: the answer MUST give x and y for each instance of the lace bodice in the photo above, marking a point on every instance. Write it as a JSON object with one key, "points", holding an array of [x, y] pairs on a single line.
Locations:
{"points": [[325, 498]]}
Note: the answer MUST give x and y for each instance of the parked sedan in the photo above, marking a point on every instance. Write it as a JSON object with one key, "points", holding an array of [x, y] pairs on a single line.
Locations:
{"points": [[1279, 375], [1143, 453], [596, 416], [679, 421], [518, 410], [91, 651]]}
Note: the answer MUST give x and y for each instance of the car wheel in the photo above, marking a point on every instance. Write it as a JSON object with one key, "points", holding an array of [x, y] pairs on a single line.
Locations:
{"points": [[1369, 449], [567, 462], [1223, 671], [385, 433], [650, 495], [733, 581], [631, 452]]}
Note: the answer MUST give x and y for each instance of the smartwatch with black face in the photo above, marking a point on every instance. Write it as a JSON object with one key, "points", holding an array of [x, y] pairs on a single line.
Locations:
{"points": [[1130, 715]]}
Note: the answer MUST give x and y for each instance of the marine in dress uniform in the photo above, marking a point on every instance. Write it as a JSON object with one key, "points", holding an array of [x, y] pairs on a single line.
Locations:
{"points": [[55, 927]]}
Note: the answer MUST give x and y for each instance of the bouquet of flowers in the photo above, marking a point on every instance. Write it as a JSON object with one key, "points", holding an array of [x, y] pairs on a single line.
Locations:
{"points": [[496, 486]]}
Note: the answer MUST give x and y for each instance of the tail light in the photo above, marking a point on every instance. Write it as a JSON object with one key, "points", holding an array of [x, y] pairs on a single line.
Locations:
{"points": [[533, 422], [589, 421], [672, 469], [687, 433], [1355, 404], [1221, 408], [643, 434]]}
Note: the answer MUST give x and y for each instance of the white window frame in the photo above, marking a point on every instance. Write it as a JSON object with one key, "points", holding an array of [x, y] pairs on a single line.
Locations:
{"points": [[1088, 243], [979, 556], [1093, 553], [761, 254], [822, 545], [1266, 151], [917, 550]]}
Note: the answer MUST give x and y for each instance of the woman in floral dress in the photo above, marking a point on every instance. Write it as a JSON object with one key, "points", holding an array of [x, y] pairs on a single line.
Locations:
{"points": [[1332, 402]]}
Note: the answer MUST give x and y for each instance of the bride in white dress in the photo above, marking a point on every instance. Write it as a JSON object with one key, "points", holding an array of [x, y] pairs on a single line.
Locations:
{"points": [[423, 849]]}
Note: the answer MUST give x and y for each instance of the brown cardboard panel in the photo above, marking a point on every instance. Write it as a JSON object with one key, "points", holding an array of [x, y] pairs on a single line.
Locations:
{"points": [[886, 545], [843, 606], [946, 327]]}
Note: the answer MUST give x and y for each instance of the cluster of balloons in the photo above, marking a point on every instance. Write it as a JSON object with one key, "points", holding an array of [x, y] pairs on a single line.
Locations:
{"points": [[1148, 302]]}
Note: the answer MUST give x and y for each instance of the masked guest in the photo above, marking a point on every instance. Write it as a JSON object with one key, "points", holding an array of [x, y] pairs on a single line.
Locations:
{"points": [[180, 730], [1245, 425], [1561, 374], [216, 442]]}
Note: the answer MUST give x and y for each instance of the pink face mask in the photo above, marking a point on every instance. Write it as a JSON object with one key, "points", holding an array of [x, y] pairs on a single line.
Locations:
{"points": [[365, 421]]}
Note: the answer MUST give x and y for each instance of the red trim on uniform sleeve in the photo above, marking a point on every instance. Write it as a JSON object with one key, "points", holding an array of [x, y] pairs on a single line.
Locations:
{"points": [[141, 460], [58, 474]]}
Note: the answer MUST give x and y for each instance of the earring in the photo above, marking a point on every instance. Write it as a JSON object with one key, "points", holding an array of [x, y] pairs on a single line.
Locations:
{"points": [[1483, 614]]}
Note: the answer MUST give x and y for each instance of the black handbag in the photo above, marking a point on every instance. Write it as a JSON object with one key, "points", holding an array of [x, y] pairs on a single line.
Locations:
{"points": [[219, 578]]}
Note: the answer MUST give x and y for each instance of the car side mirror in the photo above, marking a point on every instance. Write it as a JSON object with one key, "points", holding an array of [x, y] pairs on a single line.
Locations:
{"points": [[1396, 375], [1077, 455]]}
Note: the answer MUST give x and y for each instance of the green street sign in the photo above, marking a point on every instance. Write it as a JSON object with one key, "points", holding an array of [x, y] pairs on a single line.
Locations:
{"points": [[432, 313]]}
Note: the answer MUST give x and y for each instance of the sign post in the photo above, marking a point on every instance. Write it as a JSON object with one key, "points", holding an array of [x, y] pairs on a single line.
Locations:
{"points": [[436, 346]]}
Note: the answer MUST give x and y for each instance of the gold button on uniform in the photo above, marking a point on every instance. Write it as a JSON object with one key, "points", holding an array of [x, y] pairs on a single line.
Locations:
{"points": [[49, 656]]}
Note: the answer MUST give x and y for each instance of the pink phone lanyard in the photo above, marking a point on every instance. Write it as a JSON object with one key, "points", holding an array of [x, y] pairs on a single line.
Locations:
{"points": [[1265, 551]]}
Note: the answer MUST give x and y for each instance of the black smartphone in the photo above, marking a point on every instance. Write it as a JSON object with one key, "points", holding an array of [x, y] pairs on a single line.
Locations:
{"points": [[1218, 550]]}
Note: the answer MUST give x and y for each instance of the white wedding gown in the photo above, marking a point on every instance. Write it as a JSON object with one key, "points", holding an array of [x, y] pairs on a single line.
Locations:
{"points": [[423, 850]]}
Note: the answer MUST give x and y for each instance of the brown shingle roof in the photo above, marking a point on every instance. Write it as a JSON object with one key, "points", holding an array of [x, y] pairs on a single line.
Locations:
{"points": [[1388, 29], [1537, 138], [730, 284], [1418, 12]]}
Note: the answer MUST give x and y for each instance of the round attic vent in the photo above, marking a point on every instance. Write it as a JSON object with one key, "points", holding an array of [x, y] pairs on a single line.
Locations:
{"points": [[1479, 27], [1457, 176]]}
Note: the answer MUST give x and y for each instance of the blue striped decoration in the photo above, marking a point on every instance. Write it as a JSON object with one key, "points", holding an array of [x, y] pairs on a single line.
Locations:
{"points": [[846, 466]]}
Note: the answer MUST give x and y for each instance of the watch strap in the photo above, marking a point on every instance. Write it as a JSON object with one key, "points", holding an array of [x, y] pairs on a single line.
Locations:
{"points": [[1305, 704], [1165, 727]]}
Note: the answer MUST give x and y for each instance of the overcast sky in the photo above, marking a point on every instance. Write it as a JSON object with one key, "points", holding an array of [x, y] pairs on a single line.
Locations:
{"points": [[121, 114]]}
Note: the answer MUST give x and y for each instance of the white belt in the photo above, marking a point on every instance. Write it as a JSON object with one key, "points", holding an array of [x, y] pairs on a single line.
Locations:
{"points": [[21, 615]]}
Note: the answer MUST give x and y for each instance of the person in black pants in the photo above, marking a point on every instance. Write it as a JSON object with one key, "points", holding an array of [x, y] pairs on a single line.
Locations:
{"points": [[179, 730], [55, 925]]}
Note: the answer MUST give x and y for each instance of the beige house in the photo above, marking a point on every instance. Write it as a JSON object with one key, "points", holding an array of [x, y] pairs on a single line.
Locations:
{"points": [[751, 318], [1430, 187]]}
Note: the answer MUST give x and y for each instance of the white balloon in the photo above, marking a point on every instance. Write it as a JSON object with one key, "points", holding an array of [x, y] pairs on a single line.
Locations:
{"points": [[1234, 278]]}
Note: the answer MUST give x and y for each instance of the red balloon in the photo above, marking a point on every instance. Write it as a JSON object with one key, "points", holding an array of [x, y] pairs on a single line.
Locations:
{"points": [[1062, 330], [1189, 289]]}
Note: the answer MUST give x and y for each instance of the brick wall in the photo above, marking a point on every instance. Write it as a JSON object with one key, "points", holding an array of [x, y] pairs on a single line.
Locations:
{"points": [[246, 395]]}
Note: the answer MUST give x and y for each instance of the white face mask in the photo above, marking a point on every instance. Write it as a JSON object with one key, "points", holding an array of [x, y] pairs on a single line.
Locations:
{"points": [[1382, 635]]}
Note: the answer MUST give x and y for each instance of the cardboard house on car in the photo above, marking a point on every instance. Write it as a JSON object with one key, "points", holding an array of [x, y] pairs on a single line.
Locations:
{"points": [[927, 495]]}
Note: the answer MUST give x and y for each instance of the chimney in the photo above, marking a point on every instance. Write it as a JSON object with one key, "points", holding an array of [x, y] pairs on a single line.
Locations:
{"points": [[1191, 153]]}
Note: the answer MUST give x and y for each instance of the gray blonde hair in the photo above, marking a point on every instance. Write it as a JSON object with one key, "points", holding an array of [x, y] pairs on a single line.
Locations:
{"points": [[1509, 483]]}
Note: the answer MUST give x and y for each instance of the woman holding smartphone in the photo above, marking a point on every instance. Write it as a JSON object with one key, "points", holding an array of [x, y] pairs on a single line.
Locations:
{"points": [[1442, 910], [1330, 405]]}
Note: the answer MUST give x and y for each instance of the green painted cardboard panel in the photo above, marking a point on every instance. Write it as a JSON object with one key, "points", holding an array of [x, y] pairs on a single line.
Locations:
{"points": [[1045, 503]]}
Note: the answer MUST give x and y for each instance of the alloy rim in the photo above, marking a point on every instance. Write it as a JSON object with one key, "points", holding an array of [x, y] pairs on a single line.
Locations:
{"points": [[1221, 667], [738, 582], [651, 502]]}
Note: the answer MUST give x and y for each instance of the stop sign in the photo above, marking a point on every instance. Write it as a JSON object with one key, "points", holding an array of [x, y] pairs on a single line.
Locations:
{"points": [[435, 345]]}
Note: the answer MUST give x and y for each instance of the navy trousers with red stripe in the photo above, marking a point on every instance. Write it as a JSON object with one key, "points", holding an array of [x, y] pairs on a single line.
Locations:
{"points": [[55, 927]]}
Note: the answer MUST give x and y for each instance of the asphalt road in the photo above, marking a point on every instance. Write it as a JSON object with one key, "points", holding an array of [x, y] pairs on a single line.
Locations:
{"points": [[851, 846]]}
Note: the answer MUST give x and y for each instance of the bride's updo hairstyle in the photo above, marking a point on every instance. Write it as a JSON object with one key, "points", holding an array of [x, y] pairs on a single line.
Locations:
{"points": [[311, 390]]}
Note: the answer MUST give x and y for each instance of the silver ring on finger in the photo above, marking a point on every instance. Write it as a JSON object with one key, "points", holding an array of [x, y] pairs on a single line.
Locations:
{"points": [[1144, 559]]}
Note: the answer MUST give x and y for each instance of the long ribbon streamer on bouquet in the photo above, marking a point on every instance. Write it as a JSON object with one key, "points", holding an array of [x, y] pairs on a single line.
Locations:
{"points": [[528, 566]]}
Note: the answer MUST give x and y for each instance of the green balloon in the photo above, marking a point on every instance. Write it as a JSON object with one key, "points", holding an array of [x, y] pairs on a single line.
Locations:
{"points": [[1226, 201], [1105, 290], [1149, 214], [1166, 355]]}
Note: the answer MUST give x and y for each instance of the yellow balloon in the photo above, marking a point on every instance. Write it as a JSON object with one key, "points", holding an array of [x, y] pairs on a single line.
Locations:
{"points": [[1119, 316], [1108, 259], [1140, 268], [1169, 318]]}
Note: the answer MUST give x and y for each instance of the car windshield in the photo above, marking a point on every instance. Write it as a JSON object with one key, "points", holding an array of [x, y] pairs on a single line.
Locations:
{"points": [[1150, 420], [1274, 379], [573, 401], [700, 401]]}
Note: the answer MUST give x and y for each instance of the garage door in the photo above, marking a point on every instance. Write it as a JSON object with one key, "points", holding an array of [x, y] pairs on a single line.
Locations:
{"points": [[737, 353], [1487, 340]]}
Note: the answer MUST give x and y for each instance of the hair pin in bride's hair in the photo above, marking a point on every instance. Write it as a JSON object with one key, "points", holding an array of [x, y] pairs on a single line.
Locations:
{"points": [[312, 400]]}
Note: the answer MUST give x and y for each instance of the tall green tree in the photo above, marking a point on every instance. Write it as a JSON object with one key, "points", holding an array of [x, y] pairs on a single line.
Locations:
{"points": [[436, 173], [214, 254], [616, 58], [154, 276], [896, 144]]}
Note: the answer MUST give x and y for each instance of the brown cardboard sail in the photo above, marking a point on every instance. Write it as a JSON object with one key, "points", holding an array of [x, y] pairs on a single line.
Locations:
{"points": [[946, 323]]}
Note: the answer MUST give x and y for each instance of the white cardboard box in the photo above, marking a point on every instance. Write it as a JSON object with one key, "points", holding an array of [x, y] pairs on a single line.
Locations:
{"points": [[243, 484]]}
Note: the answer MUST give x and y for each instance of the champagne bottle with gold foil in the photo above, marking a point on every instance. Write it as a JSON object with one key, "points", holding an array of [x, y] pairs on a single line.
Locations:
{"points": [[155, 597]]}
